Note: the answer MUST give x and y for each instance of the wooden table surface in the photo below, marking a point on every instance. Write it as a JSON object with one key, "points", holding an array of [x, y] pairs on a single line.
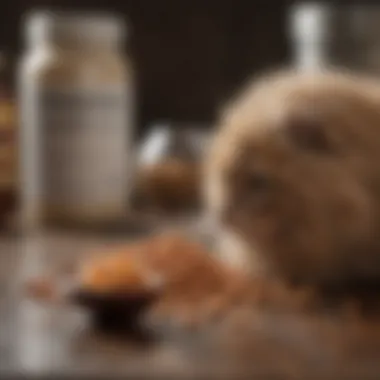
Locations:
{"points": [[38, 340]]}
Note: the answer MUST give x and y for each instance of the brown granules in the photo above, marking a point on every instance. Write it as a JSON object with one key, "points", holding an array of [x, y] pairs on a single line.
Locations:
{"points": [[193, 286], [112, 273], [168, 186], [200, 288]]}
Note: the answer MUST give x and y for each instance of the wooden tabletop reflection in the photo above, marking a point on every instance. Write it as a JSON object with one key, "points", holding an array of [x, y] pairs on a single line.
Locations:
{"points": [[38, 340]]}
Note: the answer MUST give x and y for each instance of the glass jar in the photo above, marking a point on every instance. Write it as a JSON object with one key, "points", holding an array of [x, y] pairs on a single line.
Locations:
{"points": [[76, 95], [332, 35], [356, 44], [168, 169]]}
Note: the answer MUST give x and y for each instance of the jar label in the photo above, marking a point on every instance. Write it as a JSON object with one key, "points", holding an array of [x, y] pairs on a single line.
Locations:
{"points": [[83, 149]]}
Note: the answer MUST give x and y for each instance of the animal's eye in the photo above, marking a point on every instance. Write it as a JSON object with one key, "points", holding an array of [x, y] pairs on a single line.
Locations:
{"points": [[258, 182], [308, 133]]}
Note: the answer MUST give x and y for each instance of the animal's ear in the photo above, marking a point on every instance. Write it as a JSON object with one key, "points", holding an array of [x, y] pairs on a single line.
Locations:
{"points": [[307, 131]]}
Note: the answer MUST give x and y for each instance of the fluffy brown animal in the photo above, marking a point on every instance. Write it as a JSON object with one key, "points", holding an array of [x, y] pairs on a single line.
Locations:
{"points": [[294, 171]]}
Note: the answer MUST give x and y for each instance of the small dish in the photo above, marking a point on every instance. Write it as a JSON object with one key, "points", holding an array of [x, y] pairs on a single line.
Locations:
{"points": [[115, 311]]}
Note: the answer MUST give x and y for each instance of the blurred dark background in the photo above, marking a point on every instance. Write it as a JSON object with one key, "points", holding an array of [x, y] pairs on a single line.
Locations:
{"points": [[190, 55]]}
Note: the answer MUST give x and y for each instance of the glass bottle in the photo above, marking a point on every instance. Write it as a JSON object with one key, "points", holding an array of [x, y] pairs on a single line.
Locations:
{"points": [[75, 87]]}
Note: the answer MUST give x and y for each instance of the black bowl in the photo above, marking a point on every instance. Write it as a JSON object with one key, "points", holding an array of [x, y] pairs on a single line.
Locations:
{"points": [[115, 311]]}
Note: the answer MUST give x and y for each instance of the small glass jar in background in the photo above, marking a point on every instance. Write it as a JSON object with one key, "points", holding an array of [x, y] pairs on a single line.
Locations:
{"points": [[76, 91], [356, 43], [168, 169], [345, 37]]}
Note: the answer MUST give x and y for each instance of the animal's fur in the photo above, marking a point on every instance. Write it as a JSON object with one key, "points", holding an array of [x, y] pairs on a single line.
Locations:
{"points": [[294, 170]]}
